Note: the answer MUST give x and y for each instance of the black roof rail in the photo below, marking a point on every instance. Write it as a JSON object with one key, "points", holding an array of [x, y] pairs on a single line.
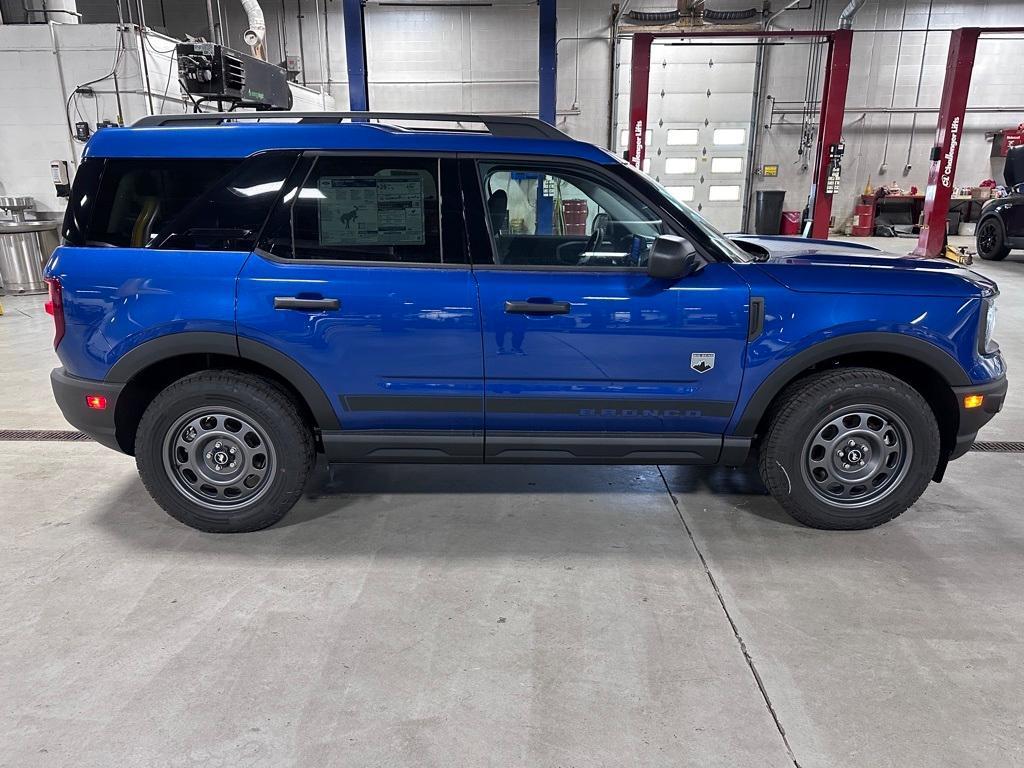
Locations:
{"points": [[505, 126]]}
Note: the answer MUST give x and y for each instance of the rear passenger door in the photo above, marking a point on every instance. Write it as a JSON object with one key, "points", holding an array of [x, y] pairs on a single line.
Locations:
{"points": [[362, 277]]}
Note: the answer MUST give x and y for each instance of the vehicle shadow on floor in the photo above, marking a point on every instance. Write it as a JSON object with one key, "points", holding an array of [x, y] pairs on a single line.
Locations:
{"points": [[469, 511]]}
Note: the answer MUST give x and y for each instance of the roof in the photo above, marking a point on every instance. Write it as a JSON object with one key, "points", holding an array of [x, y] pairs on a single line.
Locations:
{"points": [[243, 134]]}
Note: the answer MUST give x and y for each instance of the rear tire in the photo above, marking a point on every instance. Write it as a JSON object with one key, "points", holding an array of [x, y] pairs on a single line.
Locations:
{"points": [[224, 451], [991, 240], [849, 449]]}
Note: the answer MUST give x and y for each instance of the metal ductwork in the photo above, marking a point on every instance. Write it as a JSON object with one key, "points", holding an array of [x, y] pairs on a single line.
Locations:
{"points": [[59, 11], [255, 35], [846, 17]]}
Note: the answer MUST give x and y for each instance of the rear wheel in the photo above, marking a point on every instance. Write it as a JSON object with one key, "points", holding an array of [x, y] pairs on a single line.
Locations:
{"points": [[991, 240], [224, 451], [849, 449]]}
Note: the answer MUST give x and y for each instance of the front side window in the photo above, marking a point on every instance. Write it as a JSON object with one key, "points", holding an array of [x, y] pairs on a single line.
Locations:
{"points": [[139, 196], [554, 218], [362, 209]]}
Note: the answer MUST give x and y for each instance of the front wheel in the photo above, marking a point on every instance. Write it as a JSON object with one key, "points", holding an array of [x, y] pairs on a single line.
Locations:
{"points": [[849, 449], [224, 451], [991, 240]]}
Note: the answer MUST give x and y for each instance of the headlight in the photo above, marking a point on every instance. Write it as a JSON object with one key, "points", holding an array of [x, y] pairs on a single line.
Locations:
{"points": [[986, 345]]}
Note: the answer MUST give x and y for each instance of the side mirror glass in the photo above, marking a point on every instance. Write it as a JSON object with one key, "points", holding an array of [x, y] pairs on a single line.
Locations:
{"points": [[672, 257]]}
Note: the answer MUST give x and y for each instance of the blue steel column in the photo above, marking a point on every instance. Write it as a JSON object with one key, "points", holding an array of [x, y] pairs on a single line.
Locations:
{"points": [[547, 82], [548, 60], [355, 55]]}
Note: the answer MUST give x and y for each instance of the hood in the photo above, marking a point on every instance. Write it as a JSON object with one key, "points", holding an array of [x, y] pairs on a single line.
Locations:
{"points": [[828, 266]]}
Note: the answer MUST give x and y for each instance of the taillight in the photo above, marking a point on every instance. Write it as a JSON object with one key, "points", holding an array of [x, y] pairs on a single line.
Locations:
{"points": [[55, 306]]}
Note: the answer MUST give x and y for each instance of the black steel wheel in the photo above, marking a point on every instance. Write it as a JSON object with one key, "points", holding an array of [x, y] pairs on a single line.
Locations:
{"points": [[849, 448], [224, 451], [991, 240], [857, 455], [219, 458]]}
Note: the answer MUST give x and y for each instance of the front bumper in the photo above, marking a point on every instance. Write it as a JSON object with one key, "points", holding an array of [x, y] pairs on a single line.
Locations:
{"points": [[973, 419], [70, 393]]}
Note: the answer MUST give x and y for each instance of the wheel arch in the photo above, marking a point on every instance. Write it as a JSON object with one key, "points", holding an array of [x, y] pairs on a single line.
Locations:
{"points": [[925, 367], [151, 366]]}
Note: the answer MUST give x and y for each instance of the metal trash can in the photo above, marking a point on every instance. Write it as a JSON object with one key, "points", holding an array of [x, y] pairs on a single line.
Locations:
{"points": [[768, 211], [25, 246]]}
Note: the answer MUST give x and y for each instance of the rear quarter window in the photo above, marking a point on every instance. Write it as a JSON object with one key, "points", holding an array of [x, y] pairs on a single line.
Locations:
{"points": [[83, 197], [137, 197]]}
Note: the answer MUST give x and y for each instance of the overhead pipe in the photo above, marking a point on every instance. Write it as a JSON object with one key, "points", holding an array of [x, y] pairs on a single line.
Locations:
{"points": [[613, 105], [754, 147], [846, 17], [255, 35]]}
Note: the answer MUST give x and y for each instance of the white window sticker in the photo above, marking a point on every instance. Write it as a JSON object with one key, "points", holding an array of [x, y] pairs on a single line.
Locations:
{"points": [[371, 210]]}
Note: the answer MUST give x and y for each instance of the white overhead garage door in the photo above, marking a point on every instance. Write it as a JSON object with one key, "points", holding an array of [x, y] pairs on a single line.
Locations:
{"points": [[698, 120]]}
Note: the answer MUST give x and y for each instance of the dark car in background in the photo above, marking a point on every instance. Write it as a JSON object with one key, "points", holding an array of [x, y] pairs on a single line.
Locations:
{"points": [[1001, 225]]}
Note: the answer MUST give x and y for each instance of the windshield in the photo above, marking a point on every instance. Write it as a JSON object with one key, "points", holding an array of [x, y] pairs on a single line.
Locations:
{"points": [[711, 236]]}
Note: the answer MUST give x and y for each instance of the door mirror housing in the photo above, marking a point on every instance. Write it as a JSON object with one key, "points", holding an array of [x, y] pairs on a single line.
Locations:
{"points": [[672, 257]]}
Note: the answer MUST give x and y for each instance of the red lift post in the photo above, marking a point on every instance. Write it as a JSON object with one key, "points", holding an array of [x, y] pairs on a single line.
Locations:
{"points": [[963, 44], [952, 109], [833, 102]]}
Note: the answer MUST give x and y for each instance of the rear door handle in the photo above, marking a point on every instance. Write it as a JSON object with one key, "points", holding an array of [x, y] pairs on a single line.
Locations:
{"points": [[296, 302], [537, 307]]}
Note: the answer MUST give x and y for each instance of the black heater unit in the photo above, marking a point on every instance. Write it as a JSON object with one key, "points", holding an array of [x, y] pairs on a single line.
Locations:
{"points": [[213, 73]]}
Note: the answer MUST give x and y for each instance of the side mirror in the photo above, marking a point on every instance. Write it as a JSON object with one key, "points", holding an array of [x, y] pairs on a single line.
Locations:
{"points": [[672, 257]]}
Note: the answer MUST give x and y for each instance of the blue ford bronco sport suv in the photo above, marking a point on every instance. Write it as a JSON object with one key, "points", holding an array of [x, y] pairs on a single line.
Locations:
{"points": [[238, 293]]}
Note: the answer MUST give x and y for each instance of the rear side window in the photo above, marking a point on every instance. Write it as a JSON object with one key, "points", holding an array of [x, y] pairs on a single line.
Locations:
{"points": [[139, 196], [229, 215], [362, 209]]}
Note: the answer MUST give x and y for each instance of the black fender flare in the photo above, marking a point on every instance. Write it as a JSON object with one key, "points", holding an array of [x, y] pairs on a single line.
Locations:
{"points": [[878, 342], [205, 342]]}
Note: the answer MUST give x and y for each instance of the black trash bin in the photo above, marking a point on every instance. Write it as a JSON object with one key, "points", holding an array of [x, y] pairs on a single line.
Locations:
{"points": [[768, 211]]}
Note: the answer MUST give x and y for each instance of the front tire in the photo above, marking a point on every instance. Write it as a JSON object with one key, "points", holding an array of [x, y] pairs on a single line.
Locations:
{"points": [[224, 451], [991, 240], [849, 449]]}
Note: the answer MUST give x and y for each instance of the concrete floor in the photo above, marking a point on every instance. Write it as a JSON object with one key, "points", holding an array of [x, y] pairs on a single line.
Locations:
{"points": [[523, 616]]}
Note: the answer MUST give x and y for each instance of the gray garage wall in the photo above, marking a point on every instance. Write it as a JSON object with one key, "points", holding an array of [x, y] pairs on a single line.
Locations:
{"points": [[484, 58]]}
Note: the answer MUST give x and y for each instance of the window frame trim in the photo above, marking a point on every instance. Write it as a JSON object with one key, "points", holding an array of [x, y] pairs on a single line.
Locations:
{"points": [[314, 155]]}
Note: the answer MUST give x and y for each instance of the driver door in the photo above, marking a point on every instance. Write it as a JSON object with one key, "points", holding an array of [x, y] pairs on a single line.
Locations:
{"points": [[586, 357]]}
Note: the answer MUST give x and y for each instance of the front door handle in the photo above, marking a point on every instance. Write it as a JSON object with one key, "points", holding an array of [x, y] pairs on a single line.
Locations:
{"points": [[537, 307], [297, 302]]}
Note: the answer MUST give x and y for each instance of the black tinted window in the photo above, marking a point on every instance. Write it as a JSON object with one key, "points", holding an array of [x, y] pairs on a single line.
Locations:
{"points": [[361, 209], [229, 216], [139, 196], [83, 198]]}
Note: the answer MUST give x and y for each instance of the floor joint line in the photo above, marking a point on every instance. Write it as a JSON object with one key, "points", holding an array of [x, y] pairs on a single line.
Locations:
{"points": [[735, 630]]}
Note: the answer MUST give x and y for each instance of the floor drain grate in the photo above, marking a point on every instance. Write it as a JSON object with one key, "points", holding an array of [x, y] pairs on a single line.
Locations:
{"points": [[42, 434], [998, 447]]}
